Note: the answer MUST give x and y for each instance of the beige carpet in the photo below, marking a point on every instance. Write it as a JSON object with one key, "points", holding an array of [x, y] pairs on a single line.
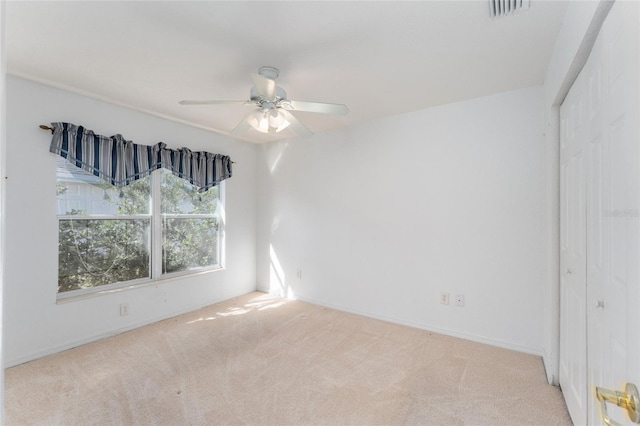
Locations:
{"points": [[262, 360]]}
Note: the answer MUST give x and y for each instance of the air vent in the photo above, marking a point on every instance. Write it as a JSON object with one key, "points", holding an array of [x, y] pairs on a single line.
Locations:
{"points": [[506, 7]]}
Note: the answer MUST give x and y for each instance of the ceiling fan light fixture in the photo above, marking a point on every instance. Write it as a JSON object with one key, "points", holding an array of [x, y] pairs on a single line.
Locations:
{"points": [[269, 121], [258, 121], [277, 121]]}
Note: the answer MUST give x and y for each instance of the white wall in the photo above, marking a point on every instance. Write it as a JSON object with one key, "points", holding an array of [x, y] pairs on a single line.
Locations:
{"points": [[382, 217], [34, 324]]}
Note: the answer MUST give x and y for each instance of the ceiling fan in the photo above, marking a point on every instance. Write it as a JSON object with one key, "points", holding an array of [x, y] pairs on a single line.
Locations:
{"points": [[273, 108]]}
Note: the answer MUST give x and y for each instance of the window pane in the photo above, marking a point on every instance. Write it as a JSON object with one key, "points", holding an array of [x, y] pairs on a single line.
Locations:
{"points": [[189, 244], [81, 193], [180, 197], [98, 252]]}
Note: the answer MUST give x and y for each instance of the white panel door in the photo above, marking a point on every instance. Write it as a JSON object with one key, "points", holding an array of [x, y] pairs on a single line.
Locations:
{"points": [[616, 330], [601, 131], [597, 224], [573, 285]]}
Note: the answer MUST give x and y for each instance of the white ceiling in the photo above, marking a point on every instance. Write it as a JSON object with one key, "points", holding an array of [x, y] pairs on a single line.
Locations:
{"points": [[379, 58]]}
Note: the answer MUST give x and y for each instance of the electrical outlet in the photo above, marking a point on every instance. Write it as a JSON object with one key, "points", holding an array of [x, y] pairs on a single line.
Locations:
{"points": [[124, 309], [299, 274], [460, 300], [444, 298]]}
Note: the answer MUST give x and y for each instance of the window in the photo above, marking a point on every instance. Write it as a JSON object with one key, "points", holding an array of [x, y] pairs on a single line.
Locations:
{"points": [[158, 226], [189, 225]]}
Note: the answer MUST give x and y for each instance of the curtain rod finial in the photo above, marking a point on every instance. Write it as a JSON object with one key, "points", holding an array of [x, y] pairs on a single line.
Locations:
{"points": [[43, 127]]}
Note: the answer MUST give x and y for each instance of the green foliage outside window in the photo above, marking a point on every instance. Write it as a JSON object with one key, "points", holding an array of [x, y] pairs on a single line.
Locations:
{"points": [[98, 252], [187, 242]]}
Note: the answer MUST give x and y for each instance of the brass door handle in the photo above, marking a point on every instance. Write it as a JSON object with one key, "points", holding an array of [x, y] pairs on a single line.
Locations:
{"points": [[627, 399]]}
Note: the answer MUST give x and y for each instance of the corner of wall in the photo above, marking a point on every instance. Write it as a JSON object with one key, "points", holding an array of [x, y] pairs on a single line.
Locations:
{"points": [[3, 92]]}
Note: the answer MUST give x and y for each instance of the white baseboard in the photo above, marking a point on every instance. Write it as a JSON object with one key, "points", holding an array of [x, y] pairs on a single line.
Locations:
{"points": [[445, 331], [79, 342], [440, 330]]}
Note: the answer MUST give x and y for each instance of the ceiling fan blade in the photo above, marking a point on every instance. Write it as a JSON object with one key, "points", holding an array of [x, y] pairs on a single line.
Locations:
{"points": [[266, 87], [321, 107], [188, 102], [242, 126], [297, 127]]}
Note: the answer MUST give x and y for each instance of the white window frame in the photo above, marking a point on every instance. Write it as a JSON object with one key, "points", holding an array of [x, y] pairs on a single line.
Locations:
{"points": [[155, 244]]}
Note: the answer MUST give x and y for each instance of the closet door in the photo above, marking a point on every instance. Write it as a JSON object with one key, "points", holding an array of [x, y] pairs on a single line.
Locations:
{"points": [[614, 320], [598, 179], [573, 259], [600, 230]]}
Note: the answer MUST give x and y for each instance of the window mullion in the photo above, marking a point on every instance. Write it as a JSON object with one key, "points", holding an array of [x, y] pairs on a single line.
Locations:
{"points": [[105, 217], [189, 216], [156, 223]]}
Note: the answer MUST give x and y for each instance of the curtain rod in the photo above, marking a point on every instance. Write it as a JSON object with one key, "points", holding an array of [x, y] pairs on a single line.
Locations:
{"points": [[44, 127]]}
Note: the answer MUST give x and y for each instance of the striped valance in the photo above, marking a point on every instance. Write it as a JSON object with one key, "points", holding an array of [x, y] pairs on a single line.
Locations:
{"points": [[120, 162]]}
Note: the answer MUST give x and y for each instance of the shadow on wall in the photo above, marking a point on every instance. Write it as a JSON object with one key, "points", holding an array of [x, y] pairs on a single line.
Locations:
{"points": [[274, 154], [277, 280]]}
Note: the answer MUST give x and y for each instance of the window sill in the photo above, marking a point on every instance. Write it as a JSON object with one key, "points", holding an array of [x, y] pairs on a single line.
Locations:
{"points": [[83, 294]]}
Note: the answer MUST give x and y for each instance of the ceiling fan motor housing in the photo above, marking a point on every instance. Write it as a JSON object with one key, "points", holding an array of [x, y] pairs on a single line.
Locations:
{"points": [[269, 72], [255, 96]]}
